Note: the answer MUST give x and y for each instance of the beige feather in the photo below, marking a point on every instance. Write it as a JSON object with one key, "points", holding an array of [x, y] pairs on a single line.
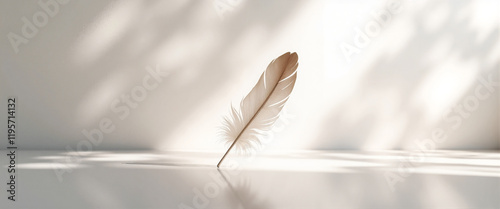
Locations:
{"points": [[245, 127]]}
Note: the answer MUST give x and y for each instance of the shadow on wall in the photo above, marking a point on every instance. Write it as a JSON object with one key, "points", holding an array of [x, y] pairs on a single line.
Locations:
{"points": [[81, 69], [89, 55], [405, 93]]}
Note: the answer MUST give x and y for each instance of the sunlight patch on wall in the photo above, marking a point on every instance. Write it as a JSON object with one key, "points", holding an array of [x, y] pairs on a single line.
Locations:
{"points": [[97, 101], [106, 30]]}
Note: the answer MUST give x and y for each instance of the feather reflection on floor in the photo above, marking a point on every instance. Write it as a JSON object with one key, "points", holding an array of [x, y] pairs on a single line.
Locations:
{"points": [[313, 179]]}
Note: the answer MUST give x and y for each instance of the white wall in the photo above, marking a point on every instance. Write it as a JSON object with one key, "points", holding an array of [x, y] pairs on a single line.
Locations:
{"points": [[426, 60]]}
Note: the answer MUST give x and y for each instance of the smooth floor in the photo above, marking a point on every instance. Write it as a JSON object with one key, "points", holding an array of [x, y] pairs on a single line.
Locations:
{"points": [[287, 180]]}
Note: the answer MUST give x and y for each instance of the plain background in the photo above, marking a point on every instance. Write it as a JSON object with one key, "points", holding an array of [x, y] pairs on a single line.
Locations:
{"points": [[390, 94]]}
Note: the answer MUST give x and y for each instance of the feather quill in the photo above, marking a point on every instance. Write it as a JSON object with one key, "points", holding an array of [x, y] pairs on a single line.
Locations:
{"points": [[245, 127]]}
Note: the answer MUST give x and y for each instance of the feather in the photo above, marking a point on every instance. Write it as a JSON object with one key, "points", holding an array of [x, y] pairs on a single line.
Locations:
{"points": [[245, 127]]}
